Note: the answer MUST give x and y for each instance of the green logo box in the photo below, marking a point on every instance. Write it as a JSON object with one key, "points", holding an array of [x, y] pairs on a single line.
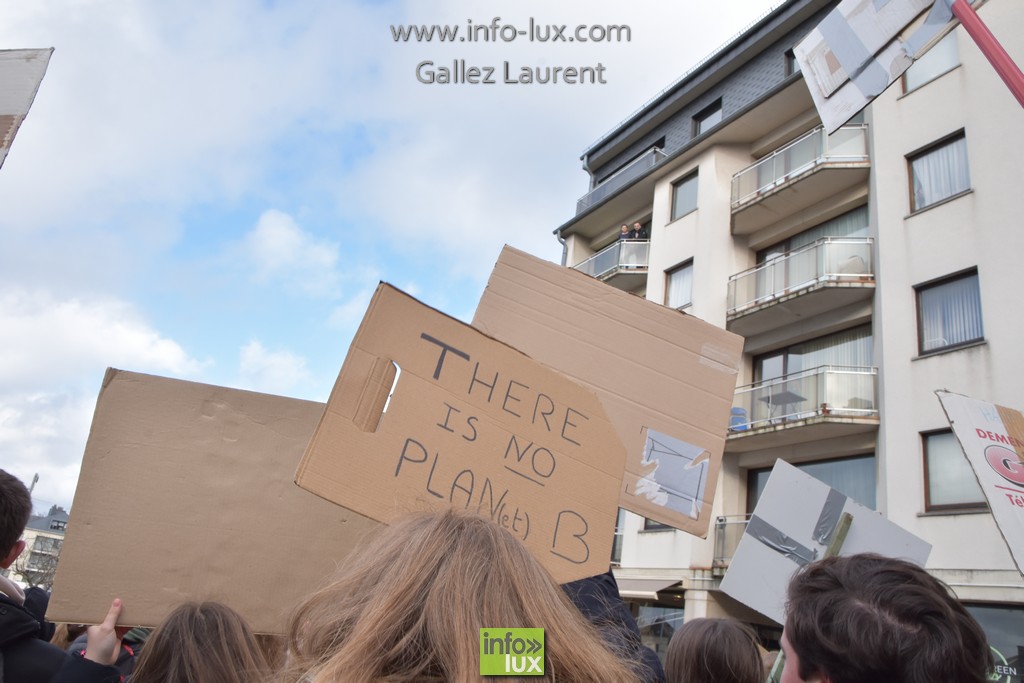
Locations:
{"points": [[511, 652]]}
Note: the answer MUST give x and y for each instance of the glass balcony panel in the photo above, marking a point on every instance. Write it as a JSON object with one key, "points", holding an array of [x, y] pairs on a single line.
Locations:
{"points": [[848, 144], [618, 256], [822, 391], [828, 259], [620, 179], [728, 532]]}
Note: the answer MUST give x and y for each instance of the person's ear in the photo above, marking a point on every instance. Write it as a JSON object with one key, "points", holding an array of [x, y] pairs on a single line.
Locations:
{"points": [[13, 555]]}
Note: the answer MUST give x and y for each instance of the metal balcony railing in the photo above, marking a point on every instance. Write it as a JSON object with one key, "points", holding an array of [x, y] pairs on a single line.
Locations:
{"points": [[829, 259], [620, 255], [728, 532], [827, 390], [849, 144], [620, 178]]}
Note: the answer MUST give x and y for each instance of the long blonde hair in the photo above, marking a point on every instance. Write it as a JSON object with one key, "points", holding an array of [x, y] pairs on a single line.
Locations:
{"points": [[204, 642], [409, 606]]}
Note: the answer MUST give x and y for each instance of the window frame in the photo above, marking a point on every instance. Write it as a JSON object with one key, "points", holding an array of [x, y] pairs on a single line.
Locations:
{"points": [[932, 285], [923, 62], [693, 177], [979, 506], [751, 472], [923, 152], [700, 125], [668, 279]]}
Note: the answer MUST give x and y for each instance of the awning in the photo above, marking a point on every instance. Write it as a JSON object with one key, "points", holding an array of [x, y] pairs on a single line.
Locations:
{"points": [[643, 589]]}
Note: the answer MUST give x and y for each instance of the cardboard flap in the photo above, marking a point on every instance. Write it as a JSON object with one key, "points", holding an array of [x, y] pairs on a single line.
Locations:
{"points": [[474, 424], [186, 493], [666, 379]]}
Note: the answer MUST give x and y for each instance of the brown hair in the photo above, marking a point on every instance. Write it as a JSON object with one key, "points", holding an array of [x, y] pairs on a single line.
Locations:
{"points": [[15, 509], [410, 606], [872, 619], [713, 651], [201, 643]]}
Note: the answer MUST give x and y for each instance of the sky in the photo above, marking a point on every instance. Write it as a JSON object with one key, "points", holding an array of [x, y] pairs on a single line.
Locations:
{"points": [[212, 190]]}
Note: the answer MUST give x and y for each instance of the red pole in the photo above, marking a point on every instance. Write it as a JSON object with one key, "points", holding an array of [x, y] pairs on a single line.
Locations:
{"points": [[990, 47]]}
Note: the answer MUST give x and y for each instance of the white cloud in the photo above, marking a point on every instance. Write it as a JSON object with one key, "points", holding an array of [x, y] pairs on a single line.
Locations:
{"points": [[53, 354], [52, 342], [275, 372], [278, 248]]}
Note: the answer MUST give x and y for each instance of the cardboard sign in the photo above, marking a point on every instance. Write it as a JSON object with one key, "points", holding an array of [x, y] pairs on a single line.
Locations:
{"points": [[186, 493], [472, 424], [792, 525], [858, 51], [21, 72], [992, 438], [666, 379]]}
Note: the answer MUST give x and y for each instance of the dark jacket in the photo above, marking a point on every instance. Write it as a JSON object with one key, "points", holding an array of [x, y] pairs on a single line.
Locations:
{"points": [[26, 658], [597, 597], [80, 670]]}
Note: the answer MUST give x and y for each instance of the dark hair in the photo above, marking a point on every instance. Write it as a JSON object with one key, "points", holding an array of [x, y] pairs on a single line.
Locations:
{"points": [[202, 643], [15, 509], [872, 619], [714, 651]]}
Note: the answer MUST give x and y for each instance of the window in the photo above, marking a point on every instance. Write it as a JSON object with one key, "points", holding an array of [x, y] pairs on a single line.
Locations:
{"points": [[941, 58], [679, 286], [790, 65], [950, 483], [854, 477], [620, 524], [708, 118], [949, 313], [651, 525], [684, 196], [939, 173]]}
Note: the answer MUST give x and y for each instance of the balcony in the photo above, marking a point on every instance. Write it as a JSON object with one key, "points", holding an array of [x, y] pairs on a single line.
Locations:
{"points": [[728, 532], [620, 179], [820, 403], [622, 264], [797, 176], [822, 276]]}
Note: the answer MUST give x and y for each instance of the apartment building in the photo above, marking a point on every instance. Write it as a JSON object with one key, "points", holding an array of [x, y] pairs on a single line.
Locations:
{"points": [[865, 270]]}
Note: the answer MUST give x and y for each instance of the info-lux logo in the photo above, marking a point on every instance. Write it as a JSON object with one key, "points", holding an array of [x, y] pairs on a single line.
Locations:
{"points": [[511, 651]]}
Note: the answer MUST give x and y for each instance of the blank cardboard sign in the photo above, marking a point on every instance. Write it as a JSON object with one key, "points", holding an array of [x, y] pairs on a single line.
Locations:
{"points": [[472, 424], [187, 493], [666, 379]]}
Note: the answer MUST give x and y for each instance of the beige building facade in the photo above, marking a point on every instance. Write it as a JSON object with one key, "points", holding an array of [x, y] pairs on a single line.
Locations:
{"points": [[865, 270]]}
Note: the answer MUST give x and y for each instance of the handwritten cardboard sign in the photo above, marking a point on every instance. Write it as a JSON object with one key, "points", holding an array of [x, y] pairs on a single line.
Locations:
{"points": [[187, 493], [992, 438], [666, 379], [472, 424]]}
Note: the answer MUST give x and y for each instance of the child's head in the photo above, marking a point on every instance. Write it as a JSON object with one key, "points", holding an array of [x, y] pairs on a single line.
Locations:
{"points": [[15, 509], [202, 643], [714, 650], [410, 605]]}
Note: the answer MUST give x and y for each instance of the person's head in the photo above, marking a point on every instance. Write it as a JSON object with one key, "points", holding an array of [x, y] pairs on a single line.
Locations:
{"points": [[201, 643], [624, 228], [637, 226], [15, 509], [713, 651], [410, 604], [872, 619]]}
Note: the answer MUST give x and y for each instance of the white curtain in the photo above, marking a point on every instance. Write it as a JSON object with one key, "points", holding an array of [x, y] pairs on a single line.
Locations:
{"points": [[940, 173], [950, 313], [679, 291]]}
